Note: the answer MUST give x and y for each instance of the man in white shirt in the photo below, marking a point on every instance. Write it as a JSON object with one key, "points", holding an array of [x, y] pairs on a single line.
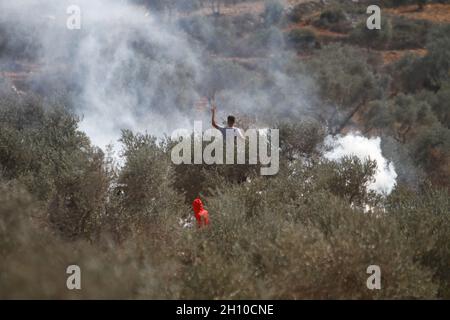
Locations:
{"points": [[230, 128]]}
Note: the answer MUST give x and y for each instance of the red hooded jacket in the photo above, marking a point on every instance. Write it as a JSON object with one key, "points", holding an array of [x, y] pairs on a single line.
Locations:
{"points": [[200, 213]]}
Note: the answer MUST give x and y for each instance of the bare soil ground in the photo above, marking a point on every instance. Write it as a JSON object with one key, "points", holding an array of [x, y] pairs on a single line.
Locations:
{"points": [[436, 12], [439, 13], [390, 56], [252, 7], [318, 31], [18, 74]]}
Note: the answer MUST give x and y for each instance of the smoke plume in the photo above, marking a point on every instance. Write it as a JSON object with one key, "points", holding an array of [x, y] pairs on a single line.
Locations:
{"points": [[129, 68], [354, 144]]}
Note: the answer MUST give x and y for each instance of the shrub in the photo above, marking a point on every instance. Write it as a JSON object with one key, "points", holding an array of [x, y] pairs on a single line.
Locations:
{"points": [[302, 139], [302, 39], [143, 196], [409, 34], [425, 215], [441, 105], [43, 149], [430, 151], [396, 33], [376, 39], [437, 60], [430, 71], [256, 223], [334, 19], [296, 235], [348, 79]]}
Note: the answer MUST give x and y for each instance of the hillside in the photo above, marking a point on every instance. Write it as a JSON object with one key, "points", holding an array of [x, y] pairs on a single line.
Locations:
{"points": [[347, 132]]}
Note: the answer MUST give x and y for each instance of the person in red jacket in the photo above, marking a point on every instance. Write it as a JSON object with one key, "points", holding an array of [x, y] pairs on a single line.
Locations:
{"points": [[201, 215]]}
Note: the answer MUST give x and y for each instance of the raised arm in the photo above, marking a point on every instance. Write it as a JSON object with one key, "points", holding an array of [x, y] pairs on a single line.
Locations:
{"points": [[213, 117]]}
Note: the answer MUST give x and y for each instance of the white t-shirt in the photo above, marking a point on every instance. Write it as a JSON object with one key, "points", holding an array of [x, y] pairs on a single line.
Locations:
{"points": [[236, 132]]}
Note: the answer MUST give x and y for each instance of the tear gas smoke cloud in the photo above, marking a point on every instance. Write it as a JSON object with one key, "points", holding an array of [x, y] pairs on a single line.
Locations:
{"points": [[127, 68], [121, 65], [364, 148]]}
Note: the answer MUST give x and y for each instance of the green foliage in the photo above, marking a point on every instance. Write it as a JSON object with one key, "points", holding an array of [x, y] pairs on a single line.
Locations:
{"points": [[408, 34], [302, 39], [409, 114], [412, 121], [202, 180], [142, 195], [302, 139], [432, 70], [426, 216], [334, 19], [378, 115], [332, 15], [437, 61], [349, 179], [396, 33], [305, 233], [311, 231], [431, 151], [441, 104], [410, 72], [42, 148], [301, 10], [404, 115], [376, 39], [281, 239], [347, 79], [17, 210]]}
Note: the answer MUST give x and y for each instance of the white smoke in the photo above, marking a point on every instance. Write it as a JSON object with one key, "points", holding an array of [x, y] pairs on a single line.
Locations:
{"points": [[354, 144], [128, 68], [128, 90], [124, 65]]}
